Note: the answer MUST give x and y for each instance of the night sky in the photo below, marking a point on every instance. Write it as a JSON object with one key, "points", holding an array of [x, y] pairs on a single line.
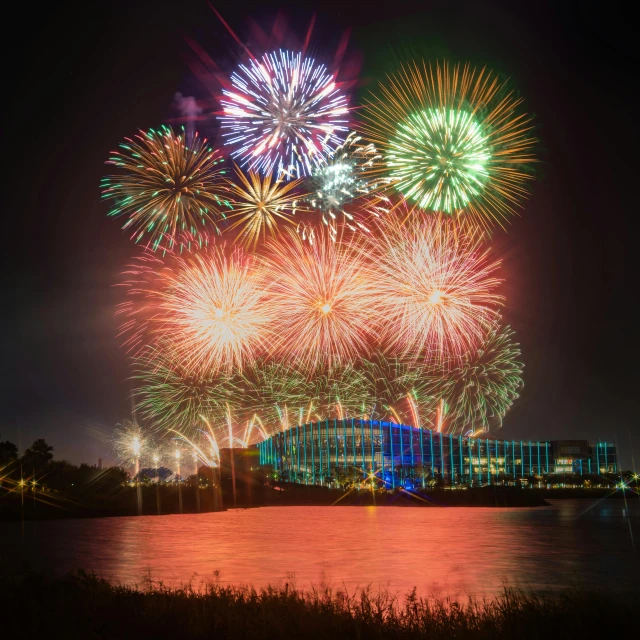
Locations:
{"points": [[79, 78]]}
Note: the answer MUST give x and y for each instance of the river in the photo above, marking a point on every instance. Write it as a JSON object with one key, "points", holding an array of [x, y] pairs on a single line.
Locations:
{"points": [[443, 551]]}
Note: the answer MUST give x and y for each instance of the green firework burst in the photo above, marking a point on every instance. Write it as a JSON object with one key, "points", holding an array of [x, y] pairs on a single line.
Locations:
{"points": [[439, 159], [452, 139], [168, 397], [478, 393]]}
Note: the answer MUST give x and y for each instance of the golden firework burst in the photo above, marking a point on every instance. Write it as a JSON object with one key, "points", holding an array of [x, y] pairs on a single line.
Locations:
{"points": [[453, 139], [169, 189], [259, 203]]}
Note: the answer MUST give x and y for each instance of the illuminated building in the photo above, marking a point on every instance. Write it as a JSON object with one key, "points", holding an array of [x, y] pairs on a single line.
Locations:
{"points": [[579, 456], [351, 450]]}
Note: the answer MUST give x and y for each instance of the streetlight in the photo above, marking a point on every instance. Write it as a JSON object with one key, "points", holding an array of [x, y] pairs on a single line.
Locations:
{"points": [[136, 448], [156, 462], [216, 481], [233, 463], [178, 454], [195, 462]]}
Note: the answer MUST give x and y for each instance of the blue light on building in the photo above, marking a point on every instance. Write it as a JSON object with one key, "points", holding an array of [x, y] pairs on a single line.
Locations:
{"points": [[352, 449]]}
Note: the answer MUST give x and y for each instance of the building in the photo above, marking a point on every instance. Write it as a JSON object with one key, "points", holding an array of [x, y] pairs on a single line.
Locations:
{"points": [[240, 475], [339, 451], [579, 456]]}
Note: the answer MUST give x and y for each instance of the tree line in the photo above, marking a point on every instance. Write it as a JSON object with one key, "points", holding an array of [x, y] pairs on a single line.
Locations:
{"points": [[36, 470]]}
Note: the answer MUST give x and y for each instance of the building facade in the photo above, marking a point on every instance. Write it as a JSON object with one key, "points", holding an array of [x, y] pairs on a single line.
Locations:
{"points": [[336, 451], [580, 456]]}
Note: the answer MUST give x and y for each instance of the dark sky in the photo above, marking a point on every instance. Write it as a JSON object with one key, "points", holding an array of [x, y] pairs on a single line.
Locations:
{"points": [[80, 77]]}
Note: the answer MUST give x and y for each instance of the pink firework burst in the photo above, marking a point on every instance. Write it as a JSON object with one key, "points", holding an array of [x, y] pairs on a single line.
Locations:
{"points": [[325, 300], [437, 285], [211, 309]]}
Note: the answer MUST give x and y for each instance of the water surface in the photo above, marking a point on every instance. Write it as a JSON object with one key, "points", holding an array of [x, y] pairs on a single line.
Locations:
{"points": [[445, 551]]}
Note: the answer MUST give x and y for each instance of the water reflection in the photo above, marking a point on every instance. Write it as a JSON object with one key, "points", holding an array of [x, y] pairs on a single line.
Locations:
{"points": [[453, 551]]}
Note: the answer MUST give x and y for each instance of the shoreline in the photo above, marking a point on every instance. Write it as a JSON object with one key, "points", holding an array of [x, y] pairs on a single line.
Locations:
{"points": [[12, 510]]}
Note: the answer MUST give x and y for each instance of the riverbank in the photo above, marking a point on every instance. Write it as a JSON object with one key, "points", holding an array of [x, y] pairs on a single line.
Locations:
{"points": [[166, 500], [84, 606], [54, 506]]}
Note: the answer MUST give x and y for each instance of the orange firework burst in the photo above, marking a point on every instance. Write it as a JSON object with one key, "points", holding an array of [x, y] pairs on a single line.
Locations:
{"points": [[453, 139], [259, 203], [437, 285], [324, 297], [211, 309]]}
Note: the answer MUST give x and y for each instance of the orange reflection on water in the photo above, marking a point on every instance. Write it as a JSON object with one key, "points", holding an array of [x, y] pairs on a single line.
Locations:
{"points": [[445, 551]]}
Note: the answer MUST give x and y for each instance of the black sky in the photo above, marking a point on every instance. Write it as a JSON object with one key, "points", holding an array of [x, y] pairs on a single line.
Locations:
{"points": [[79, 77]]}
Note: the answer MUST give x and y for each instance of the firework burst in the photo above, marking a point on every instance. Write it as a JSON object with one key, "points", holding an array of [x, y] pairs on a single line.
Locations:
{"points": [[170, 188], [325, 300], [396, 388], [270, 390], [131, 443], [436, 285], [341, 392], [278, 395], [477, 394], [453, 140], [211, 309], [259, 203], [341, 181], [284, 115], [168, 397]]}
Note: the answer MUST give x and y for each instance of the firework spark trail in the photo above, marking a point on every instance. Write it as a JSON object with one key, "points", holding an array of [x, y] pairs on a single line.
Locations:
{"points": [[259, 203], [250, 405], [204, 448], [143, 279], [478, 392], [244, 408], [268, 389], [453, 139], [275, 391], [255, 401], [325, 300], [436, 286], [284, 116], [169, 189], [282, 390]]}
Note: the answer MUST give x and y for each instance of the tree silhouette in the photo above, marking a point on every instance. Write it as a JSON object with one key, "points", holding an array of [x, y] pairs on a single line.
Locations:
{"points": [[38, 454], [8, 452]]}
